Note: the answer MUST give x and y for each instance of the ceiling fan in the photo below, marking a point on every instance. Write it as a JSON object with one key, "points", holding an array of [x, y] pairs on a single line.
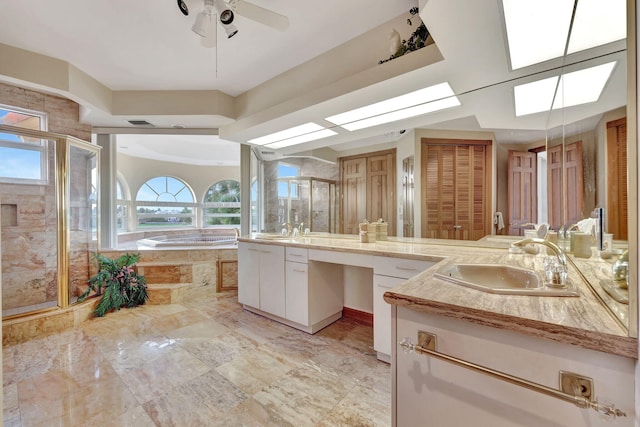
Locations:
{"points": [[225, 12]]}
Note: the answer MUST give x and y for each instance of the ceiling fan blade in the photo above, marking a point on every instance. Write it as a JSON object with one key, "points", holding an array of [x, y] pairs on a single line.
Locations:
{"points": [[260, 15]]}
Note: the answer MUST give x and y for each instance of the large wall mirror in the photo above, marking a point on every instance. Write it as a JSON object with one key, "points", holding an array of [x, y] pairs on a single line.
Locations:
{"points": [[561, 120]]}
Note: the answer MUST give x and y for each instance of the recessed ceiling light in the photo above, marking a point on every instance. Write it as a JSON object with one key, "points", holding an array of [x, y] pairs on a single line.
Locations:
{"points": [[537, 31], [427, 100], [296, 131], [575, 88]]}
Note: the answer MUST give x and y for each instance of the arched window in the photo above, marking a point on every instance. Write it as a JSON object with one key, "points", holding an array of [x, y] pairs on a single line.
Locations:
{"points": [[222, 204], [165, 201]]}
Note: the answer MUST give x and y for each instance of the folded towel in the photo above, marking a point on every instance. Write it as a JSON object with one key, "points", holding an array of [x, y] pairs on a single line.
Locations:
{"points": [[498, 220]]}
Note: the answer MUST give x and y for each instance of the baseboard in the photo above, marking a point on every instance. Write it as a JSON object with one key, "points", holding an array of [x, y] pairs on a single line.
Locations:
{"points": [[358, 315]]}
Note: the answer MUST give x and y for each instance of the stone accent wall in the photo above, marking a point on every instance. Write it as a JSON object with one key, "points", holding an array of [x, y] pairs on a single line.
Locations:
{"points": [[29, 241], [62, 114]]}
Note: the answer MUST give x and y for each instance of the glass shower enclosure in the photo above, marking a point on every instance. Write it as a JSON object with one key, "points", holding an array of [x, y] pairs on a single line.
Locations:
{"points": [[48, 221], [305, 202]]}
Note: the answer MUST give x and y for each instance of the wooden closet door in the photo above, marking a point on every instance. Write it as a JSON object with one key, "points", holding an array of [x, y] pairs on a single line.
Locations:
{"points": [[456, 181], [381, 189], [574, 190], [617, 197], [438, 191], [555, 187], [354, 191], [470, 192], [565, 192], [522, 190]]}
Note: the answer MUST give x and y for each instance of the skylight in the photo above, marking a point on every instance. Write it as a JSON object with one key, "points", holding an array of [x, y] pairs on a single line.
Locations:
{"points": [[537, 30], [423, 101], [312, 136], [303, 133], [576, 88]]}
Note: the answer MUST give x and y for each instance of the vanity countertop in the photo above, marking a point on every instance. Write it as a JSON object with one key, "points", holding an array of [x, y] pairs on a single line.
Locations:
{"points": [[581, 321]]}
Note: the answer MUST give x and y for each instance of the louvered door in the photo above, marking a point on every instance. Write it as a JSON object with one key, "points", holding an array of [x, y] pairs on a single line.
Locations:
{"points": [[617, 198], [456, 179]]}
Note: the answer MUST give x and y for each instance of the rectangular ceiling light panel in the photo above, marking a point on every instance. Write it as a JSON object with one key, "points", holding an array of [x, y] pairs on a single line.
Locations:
{"points": [[313, 136], [575, 88], [286, 134], [423, 101], [583, 86], [537, 30], [598, 22]]}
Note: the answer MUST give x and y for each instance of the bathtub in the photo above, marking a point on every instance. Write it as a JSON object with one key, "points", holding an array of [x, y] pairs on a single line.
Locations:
{"points": [[186, 241]]}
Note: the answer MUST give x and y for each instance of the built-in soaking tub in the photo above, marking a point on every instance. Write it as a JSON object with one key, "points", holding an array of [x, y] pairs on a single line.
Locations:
{"points": [[186, 241]]}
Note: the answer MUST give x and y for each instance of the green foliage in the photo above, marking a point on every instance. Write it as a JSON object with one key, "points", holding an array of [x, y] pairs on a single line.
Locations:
{"points": [[123, 287], [417, 40]]}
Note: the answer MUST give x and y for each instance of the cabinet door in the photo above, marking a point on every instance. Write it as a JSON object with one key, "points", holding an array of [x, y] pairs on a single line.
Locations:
{"points": [[382, 313], [449, 395], [297, 293], [272, 279], [249, 274]]}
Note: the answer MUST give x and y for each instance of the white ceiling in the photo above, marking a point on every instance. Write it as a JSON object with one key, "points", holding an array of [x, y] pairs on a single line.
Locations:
{"points": [[148, 45]]}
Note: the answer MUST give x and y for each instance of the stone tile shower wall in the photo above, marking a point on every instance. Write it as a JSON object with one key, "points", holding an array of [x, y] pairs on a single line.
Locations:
{"points": [[275, 209], [29, 227]]}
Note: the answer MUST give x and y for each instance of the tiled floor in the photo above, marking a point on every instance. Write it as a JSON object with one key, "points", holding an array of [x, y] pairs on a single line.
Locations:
{"points": [[202, 363]]}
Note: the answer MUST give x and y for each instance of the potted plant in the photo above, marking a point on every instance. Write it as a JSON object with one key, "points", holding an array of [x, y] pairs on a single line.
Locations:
{"points": [[123, 287]]}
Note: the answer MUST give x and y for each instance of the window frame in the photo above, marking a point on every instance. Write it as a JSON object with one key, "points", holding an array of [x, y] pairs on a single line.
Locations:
{"points": [[41, 146], [207, 205], [159, 204]]}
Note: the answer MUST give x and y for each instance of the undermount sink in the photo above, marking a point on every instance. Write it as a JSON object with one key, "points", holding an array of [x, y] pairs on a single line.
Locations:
{"points": [[501, 279]]}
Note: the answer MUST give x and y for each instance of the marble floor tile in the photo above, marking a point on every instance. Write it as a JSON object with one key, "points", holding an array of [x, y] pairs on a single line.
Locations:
{"points": [[204, 362]]}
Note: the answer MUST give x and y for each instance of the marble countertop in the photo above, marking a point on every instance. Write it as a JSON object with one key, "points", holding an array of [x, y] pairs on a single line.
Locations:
{"points": [[581, 321]]}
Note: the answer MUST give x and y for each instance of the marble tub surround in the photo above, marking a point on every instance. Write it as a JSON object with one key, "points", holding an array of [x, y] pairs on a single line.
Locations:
{"points": [[581, 321], [205, 362]]}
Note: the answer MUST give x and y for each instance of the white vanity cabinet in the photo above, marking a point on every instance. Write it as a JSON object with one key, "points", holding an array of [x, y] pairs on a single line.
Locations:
{"points": [[261, 277], [313, 291], [387, 273], [429, 391]]}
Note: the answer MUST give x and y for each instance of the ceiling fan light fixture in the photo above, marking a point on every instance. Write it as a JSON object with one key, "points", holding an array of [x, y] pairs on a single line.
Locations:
{"points": [[226, 16], [230, 29], [203, 24]]}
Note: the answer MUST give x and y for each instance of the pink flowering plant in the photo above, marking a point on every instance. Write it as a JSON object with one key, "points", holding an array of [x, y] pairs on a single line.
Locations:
{"points": [[123, 287]]}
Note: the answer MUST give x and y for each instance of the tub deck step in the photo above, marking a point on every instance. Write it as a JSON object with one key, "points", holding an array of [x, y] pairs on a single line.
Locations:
{"points": [[159, 293]]}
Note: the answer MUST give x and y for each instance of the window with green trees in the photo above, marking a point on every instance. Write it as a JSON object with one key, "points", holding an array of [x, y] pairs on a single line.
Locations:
{"points": [[222, 204]]}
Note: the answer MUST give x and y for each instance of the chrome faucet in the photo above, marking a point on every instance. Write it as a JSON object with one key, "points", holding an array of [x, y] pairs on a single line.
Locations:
{"points": [[555, 270], [562, 258], [620, 268], [286, 230]]}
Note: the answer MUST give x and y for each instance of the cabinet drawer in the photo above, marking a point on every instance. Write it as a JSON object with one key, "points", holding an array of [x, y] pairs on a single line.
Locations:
{"points": [[398, 267], [297, 254]]}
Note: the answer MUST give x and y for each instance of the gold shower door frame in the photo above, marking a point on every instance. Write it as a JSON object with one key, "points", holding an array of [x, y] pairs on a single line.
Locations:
{"points": [[63, 168]]}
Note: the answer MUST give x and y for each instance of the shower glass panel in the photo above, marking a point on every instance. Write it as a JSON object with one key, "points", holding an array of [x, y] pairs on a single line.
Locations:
{"points": [[48, 219], [28, 218], [308, 201], [83, 217]]}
